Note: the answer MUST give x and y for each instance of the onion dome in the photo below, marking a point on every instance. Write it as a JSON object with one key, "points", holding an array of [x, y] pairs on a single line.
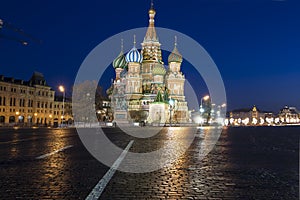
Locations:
{"points": [[152, 11], [175, 56], [120, 61], [159, 70], [134, 55]]}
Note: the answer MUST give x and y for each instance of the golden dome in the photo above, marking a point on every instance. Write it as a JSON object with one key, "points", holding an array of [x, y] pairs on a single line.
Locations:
{"points": [[152, 11]]}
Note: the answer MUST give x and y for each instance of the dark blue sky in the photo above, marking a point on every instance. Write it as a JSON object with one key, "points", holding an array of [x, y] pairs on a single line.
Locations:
{"points": [[255, 44]]}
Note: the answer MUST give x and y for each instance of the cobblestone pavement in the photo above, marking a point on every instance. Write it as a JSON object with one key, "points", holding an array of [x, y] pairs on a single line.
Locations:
{"points": [[246, 163]]}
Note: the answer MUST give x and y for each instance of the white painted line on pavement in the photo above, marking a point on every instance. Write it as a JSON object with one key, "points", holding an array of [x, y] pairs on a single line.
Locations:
{"points": [[54, 152], [99, 188]]}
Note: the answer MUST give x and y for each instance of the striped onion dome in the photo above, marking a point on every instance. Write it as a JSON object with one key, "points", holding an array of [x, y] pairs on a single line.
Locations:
{"points": [[159, 69], [120, 61], [134, 56]]}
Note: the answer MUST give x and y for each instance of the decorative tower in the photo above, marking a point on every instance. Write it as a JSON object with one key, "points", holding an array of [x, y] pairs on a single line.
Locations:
{"points": [[133, 77], [175, 83], [120, 63], [175, 79], [118, 98], [150, 49]]}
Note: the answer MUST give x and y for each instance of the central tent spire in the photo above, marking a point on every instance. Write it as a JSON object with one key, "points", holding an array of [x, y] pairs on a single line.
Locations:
{"points": [[151, 47], [151, 32]]}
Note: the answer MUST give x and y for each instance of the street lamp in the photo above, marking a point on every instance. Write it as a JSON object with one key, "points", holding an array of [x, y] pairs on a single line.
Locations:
{"points": [[17, 113], [171, 106], [205, 98], [50, 121], [35, 115], [62, 89]]}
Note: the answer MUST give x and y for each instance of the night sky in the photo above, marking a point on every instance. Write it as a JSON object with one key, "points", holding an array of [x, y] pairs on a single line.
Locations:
{"points": [[254, 43]]}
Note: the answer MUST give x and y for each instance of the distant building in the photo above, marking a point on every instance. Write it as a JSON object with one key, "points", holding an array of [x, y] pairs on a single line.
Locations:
{"points": [[30, 102], [58, 111], [248, 116], [254, 117], [105, 114], [289, 115]]}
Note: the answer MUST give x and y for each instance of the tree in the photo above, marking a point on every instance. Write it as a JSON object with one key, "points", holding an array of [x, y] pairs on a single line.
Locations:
{"points": [[87, 99]]}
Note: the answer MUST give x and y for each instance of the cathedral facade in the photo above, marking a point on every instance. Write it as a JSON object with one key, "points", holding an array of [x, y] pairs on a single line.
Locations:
{"points": [[144, 89]]}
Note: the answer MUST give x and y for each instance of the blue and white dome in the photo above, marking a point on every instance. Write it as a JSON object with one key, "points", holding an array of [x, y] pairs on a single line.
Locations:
{"points": [[134, 56]]}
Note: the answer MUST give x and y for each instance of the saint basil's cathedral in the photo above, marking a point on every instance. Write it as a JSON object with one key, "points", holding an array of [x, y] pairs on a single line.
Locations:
{"points": [[144, 89]]}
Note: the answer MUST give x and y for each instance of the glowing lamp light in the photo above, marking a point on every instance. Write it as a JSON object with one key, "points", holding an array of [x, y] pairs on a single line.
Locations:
{"points": [[226, 122], [269, 120], [206, 98], [220, 120], [262, 121], [61, 88], [239, 120], [254, 121], [287, 120], [246, 121]]}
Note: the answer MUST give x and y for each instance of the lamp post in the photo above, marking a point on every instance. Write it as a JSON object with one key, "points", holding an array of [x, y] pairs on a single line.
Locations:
{"points": [[17, 114], [205, 98], [35, 118], [171, 106], [50, 121], [62, 89]]}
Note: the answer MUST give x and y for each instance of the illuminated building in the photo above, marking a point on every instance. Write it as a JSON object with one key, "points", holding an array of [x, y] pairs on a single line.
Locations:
{"points": [[143, 86], [29, 102], [254, 117], [288, 115], [248, 117]]}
